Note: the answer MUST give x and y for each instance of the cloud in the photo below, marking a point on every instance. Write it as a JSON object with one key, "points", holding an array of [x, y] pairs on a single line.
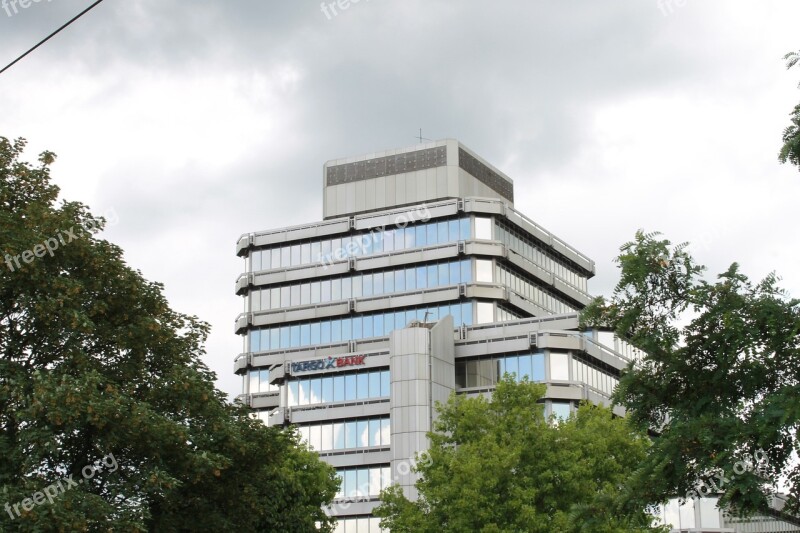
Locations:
{"points": [[201, 121]]}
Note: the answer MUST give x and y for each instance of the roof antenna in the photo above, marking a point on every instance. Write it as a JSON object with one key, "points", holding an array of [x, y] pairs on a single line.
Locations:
{"points": [[421, 138]]}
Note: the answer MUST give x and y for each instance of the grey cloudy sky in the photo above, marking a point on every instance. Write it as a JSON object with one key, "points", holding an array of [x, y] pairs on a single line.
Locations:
{"points": [[198, 121]]}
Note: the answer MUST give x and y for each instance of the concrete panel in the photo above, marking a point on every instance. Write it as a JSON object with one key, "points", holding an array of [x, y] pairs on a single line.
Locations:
{"points": [[341, 201], [349, 198], [299, 415], [362, 188], [380, 192], [366, 457], [401, 194]]}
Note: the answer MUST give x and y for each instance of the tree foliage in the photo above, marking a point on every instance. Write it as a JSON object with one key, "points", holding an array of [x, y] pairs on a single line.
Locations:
{"points": [[497, 466], [94, 363], [719, 378], [790, 151]]}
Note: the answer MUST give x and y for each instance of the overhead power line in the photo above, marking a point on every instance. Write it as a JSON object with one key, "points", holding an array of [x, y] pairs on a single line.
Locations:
{"points": [[40, 43]]}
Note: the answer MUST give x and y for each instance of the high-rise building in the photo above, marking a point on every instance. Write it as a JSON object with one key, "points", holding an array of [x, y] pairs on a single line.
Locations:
{"points": [[420, 280]]}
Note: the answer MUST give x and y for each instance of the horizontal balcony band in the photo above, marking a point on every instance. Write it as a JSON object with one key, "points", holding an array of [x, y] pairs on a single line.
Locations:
{"points": [[385, 260], [431, 211]]}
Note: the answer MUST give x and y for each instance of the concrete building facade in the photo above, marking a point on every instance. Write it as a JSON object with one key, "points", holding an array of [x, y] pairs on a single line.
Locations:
{"points": [[420, 280]]}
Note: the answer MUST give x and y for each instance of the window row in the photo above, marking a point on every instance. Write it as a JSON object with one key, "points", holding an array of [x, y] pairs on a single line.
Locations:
{"points": [[363, 482], [525, 247], [349, 434], [353, 328], [362, 285], [359, 525], [486, 372], [259, 382], [339, 388], [374, 242], [532, 291], [593, 376]]}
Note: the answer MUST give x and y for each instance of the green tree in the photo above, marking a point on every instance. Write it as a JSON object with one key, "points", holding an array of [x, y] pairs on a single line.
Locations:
{"points": [[497, 466], [790, 151], [719, 377], [94, 365]]}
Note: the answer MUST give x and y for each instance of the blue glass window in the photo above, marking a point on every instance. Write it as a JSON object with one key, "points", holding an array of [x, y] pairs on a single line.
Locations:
{"points": [[512, 366], [466, 271], [304, 387], [336, 331], [455, 310], [357, 332], [363, 480], [465, 232], [455, 273], [385, 432], [366, 285], [385, 383], [316, 391], [325, 332], [350, 387], [411, 279], [255, 340], [377, 283], [422, 277], [430, 234], [295, 336], [452, 230], [466, 313], [338, 436], [388, 282], [338, 388], [374, 384], [347, 329], [294, 394], [363, 434], [346, 289], [444, 274], [315, 334], [363, 386], [525, 367], [274, 338], [441, 230], [350, 435], [420, 235], [285, 337], [377, 322], [305, 334], [410, 239], [388, 240], [433, 272], [367, 326], [327, 390], [538, 367], [375, 432]]}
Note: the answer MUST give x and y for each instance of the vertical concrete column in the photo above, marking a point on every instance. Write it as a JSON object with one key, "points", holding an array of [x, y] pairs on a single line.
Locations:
{"points": [[422, 371]]}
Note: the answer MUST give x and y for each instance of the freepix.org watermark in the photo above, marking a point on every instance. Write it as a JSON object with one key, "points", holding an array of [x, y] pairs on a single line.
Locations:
{"points": [[52, 491], [367, 241], [705, 484], [61, 238], [13, 5], [330, 7]]}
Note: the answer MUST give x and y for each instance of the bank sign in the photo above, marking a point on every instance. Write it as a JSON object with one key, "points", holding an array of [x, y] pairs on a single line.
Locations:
{"points": [[330, 363]]}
